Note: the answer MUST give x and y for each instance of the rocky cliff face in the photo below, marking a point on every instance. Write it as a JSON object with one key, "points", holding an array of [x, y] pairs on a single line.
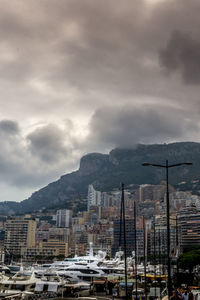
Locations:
{"points": [[92, 163], [107, 171]]}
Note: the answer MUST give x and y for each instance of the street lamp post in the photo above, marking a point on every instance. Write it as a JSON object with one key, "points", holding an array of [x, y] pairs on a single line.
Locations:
{"points": [[159, 259], [123, 215], [145, 260], [136, 252], [154, 254], [166, 167]]}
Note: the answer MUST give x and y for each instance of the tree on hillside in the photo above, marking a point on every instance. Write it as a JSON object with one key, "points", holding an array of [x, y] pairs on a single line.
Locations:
{"points": [[189, 260]]}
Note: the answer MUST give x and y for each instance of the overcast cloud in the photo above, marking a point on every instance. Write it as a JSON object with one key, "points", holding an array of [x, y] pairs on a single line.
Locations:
{"points": [[182, 54], [81, 76]]}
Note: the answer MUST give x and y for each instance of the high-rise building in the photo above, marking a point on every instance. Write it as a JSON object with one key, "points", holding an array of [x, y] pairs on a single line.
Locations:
{"points": [[189, 228], [94, 197], [130, 238], [158, 236], [19, 233], [63, 218]]}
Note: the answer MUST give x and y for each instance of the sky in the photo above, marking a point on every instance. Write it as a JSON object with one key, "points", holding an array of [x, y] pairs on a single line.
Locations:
{"points": [[81, 76]]}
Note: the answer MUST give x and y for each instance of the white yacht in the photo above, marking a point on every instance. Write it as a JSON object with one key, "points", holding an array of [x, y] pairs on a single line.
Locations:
{"points": [[20, 282], [87, 259], [81, 271], [89, 266], [50, 283]]}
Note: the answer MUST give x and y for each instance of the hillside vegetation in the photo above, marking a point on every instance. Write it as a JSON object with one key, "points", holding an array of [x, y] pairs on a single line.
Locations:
{"points": [[106, 172]]}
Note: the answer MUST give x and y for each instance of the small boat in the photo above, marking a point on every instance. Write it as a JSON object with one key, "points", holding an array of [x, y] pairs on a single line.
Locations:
{"points": [[78, 289], [14, 268]]}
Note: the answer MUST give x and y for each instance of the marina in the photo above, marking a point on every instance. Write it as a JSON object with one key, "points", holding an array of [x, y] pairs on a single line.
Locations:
{"points": [[90, 276]]}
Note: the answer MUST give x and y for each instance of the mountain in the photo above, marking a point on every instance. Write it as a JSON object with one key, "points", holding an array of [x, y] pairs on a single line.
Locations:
{"points": [[106, 172]]}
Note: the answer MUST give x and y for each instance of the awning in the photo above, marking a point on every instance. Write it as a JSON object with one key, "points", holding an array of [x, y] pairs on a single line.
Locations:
{"points": [[52, 287], [39, 287]]}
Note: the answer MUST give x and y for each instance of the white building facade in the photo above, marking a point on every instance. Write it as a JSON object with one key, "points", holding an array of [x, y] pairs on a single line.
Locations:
{"points": [[63, 218], [94, 197]]}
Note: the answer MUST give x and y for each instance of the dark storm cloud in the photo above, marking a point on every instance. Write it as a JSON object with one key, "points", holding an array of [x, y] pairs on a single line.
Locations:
{"points": [[113, 50], [182, 54], [104, 53], [9, 127], [93, 45], [127, 126], [48, 143]]}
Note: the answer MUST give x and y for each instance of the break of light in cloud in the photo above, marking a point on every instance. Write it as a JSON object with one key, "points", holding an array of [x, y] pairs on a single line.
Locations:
{"points": [[82, 76]]}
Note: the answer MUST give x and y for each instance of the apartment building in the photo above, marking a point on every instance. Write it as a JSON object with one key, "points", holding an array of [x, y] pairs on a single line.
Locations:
{"points": [[94, 197], [189, 229], [19, 232], [63, 218], [130, 237]]}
